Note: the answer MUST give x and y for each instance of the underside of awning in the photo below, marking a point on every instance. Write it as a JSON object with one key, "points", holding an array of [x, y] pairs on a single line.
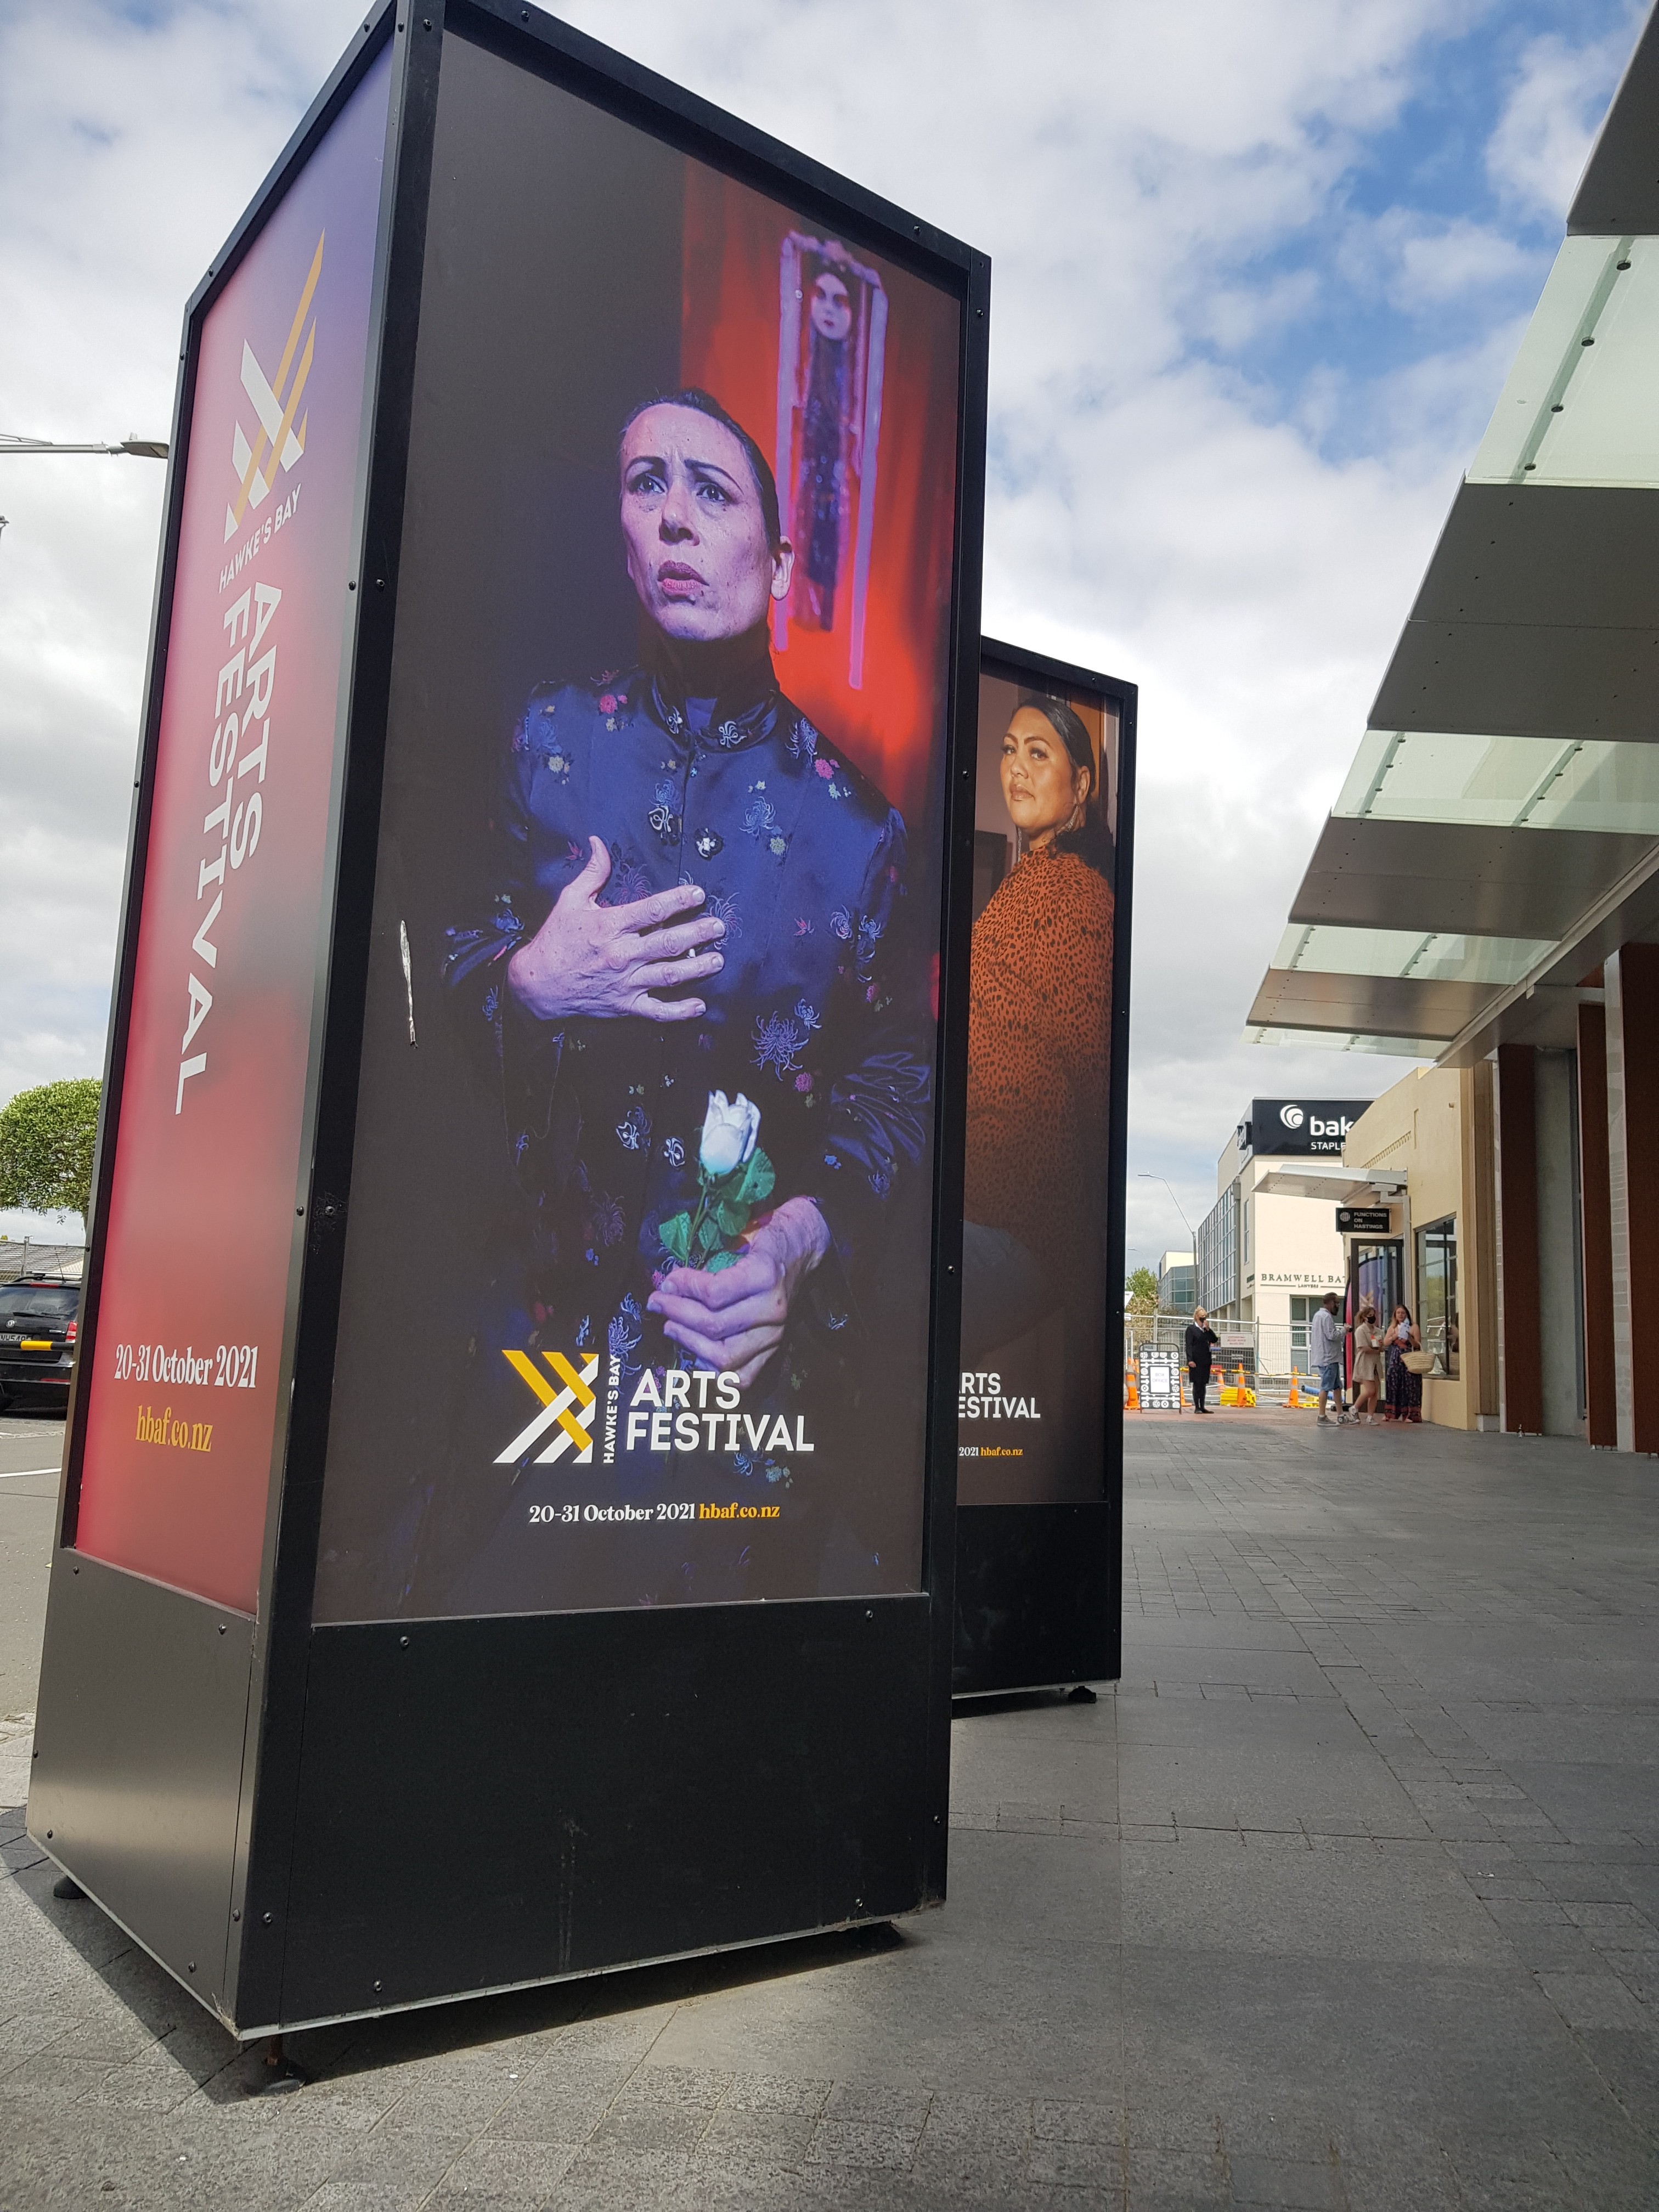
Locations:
{"points": [[1499, 833]]}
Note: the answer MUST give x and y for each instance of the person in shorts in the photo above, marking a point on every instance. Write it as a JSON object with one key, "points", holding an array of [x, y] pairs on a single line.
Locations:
{"points": [[1325, 1335]]}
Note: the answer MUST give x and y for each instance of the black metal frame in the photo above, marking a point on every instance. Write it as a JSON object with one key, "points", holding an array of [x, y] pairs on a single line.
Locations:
{"points": [[1051, 1575], [319, 1750]]}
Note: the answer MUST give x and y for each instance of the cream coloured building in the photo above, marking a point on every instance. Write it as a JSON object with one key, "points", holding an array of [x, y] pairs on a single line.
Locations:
{"points": [[1269, 1250]]}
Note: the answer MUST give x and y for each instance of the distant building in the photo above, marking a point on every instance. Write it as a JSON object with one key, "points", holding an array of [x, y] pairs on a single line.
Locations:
{"points": [[1177, 1283], [1269, 1249]]}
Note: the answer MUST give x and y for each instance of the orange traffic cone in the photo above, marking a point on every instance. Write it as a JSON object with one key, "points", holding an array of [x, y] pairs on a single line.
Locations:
{"points": [[1132, 1395], [1295, 1398]]}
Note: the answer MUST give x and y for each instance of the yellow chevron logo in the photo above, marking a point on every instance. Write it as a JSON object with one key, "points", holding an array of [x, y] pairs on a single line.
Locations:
{"points": [[274, 412], [574, 1427]]}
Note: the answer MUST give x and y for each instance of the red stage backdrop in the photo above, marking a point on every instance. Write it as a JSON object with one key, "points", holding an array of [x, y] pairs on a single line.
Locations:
{"points": [[889, 724], [184, 1405]]}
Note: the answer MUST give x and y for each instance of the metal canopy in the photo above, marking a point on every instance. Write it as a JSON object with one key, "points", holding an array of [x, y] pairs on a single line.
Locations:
{"points": [[1620, 189], [1463, 877], [1342, 1186], [1499, 833], [1381, 1006]]}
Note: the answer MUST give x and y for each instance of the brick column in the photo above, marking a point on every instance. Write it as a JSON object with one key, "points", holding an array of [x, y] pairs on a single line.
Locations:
{"points": [[1600, 1388], [1633, 1032], [1520, 1343]]}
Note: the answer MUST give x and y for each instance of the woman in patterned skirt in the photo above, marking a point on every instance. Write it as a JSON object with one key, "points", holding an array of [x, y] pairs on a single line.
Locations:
{"points": [[1405, 1388]]}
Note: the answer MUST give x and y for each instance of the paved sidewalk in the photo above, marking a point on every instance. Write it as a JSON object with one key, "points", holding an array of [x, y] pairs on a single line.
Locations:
{"points": [[1348, 1897]]}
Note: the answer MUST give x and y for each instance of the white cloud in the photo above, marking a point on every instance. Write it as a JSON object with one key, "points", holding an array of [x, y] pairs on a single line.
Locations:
{"points": [[1133, 171], [1538, 152]]}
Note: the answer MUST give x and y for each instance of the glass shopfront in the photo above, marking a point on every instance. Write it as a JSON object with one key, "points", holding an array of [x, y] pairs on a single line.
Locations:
{"points": [[1436, 1292]]}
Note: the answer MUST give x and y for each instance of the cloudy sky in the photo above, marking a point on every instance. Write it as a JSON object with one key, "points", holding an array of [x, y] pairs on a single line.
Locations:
{"points": [[1259, 268]]}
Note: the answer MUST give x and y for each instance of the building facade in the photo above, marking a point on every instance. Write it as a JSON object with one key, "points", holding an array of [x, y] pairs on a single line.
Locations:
{"points": [[1269, 1249], [1484, 894], [1177, 1283]]}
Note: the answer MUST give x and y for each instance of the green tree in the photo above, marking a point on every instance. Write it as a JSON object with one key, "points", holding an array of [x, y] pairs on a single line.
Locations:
{"points": [[1141, 1303], [46, 1138]]}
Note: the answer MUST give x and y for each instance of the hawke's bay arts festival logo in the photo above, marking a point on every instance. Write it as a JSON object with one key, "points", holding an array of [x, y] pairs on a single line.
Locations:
{"points": [[674, 1412], [568, 1411], [279, 438]]}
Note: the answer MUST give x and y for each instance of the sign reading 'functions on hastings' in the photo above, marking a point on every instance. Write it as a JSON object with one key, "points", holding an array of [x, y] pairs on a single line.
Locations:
{"points": [[1301, 1127]]}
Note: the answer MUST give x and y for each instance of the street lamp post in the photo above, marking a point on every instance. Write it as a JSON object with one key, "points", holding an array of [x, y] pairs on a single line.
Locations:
{"points": [[1144, 1178], [143, 449]]}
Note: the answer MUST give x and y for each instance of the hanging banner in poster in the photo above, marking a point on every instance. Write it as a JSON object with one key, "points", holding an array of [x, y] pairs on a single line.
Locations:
{"points": [[185, 1399], [1032, 1412], [638, 1274]]}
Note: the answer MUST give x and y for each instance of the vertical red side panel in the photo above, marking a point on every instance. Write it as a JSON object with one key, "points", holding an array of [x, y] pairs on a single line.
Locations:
{"points": [[183, 1408]]}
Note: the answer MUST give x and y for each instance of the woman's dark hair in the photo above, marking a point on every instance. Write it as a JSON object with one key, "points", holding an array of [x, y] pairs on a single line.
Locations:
{"points": [[1092, 841], [704, 403]]}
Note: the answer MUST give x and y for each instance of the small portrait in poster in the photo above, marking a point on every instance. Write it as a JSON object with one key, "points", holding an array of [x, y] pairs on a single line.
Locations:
{"points": [[642, 1193], [1031, 1415]]}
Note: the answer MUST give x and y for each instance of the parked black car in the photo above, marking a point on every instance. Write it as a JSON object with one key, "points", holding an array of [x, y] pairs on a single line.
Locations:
{"points": [[37, 1341]]}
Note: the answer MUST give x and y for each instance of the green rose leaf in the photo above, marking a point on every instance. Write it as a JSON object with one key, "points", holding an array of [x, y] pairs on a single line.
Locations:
{"points": [[758, 1178], [676, 1234], [709, 1236], [732, 1217], [721, 1260]]}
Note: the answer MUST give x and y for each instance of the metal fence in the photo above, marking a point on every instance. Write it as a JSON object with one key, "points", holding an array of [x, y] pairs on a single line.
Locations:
{"points": [[1267, 1357], [22, 1256]]}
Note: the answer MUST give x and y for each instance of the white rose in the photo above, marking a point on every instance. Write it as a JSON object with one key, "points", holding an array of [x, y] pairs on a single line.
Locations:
{"points": [[729, 1133]]}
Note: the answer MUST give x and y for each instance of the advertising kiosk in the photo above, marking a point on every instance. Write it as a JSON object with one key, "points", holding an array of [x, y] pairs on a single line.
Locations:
{"points": [[506, 1529], [1040, 1417]]}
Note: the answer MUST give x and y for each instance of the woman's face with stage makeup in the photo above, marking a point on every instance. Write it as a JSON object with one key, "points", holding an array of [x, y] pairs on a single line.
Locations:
{"points": [[1041, 788], [831, 309], [694, 527]]}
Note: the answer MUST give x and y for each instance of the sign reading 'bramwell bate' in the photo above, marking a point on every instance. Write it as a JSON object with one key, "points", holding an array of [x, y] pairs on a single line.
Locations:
{"points": [[1301, 1126]]}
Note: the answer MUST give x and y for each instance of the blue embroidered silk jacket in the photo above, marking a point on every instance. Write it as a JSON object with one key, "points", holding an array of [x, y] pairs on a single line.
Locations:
{"points": [[820, 1014]]}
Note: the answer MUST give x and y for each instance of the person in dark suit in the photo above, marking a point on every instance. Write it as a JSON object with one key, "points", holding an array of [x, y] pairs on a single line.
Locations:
{"points": [[1199, 1337]]}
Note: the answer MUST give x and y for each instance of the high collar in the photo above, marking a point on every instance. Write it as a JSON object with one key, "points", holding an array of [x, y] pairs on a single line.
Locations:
{"points": [[735, 673]]}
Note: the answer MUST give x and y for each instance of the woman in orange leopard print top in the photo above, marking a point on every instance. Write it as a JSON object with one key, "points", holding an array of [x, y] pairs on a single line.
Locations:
{"points": [[1037, 1049]]}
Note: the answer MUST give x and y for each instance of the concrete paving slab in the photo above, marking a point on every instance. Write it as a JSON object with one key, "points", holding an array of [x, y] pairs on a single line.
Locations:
{"points": [[1350, 1897]]}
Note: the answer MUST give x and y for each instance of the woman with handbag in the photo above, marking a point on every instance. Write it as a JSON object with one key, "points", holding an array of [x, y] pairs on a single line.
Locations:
{"points": [[1405, 1383], [1367, 1365]]}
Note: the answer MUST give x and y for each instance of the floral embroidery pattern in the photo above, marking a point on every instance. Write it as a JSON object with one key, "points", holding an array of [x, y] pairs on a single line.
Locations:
{"points": [[673, 1151], [778, 1042], [842, 922], [803, 740], [628, 880], [607, 1219], [633, 1133], [726, 910], [625, 1332], [707, 844], [761, 817]]}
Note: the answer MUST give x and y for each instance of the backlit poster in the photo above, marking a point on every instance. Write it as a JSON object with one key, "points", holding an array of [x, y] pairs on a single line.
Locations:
{"points": [[183, 1393], [1032, 1411], [637, 1282]]}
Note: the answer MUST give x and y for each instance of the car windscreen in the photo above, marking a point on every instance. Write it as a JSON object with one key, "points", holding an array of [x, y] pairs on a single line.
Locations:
{"points": [[48, 1302]]}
